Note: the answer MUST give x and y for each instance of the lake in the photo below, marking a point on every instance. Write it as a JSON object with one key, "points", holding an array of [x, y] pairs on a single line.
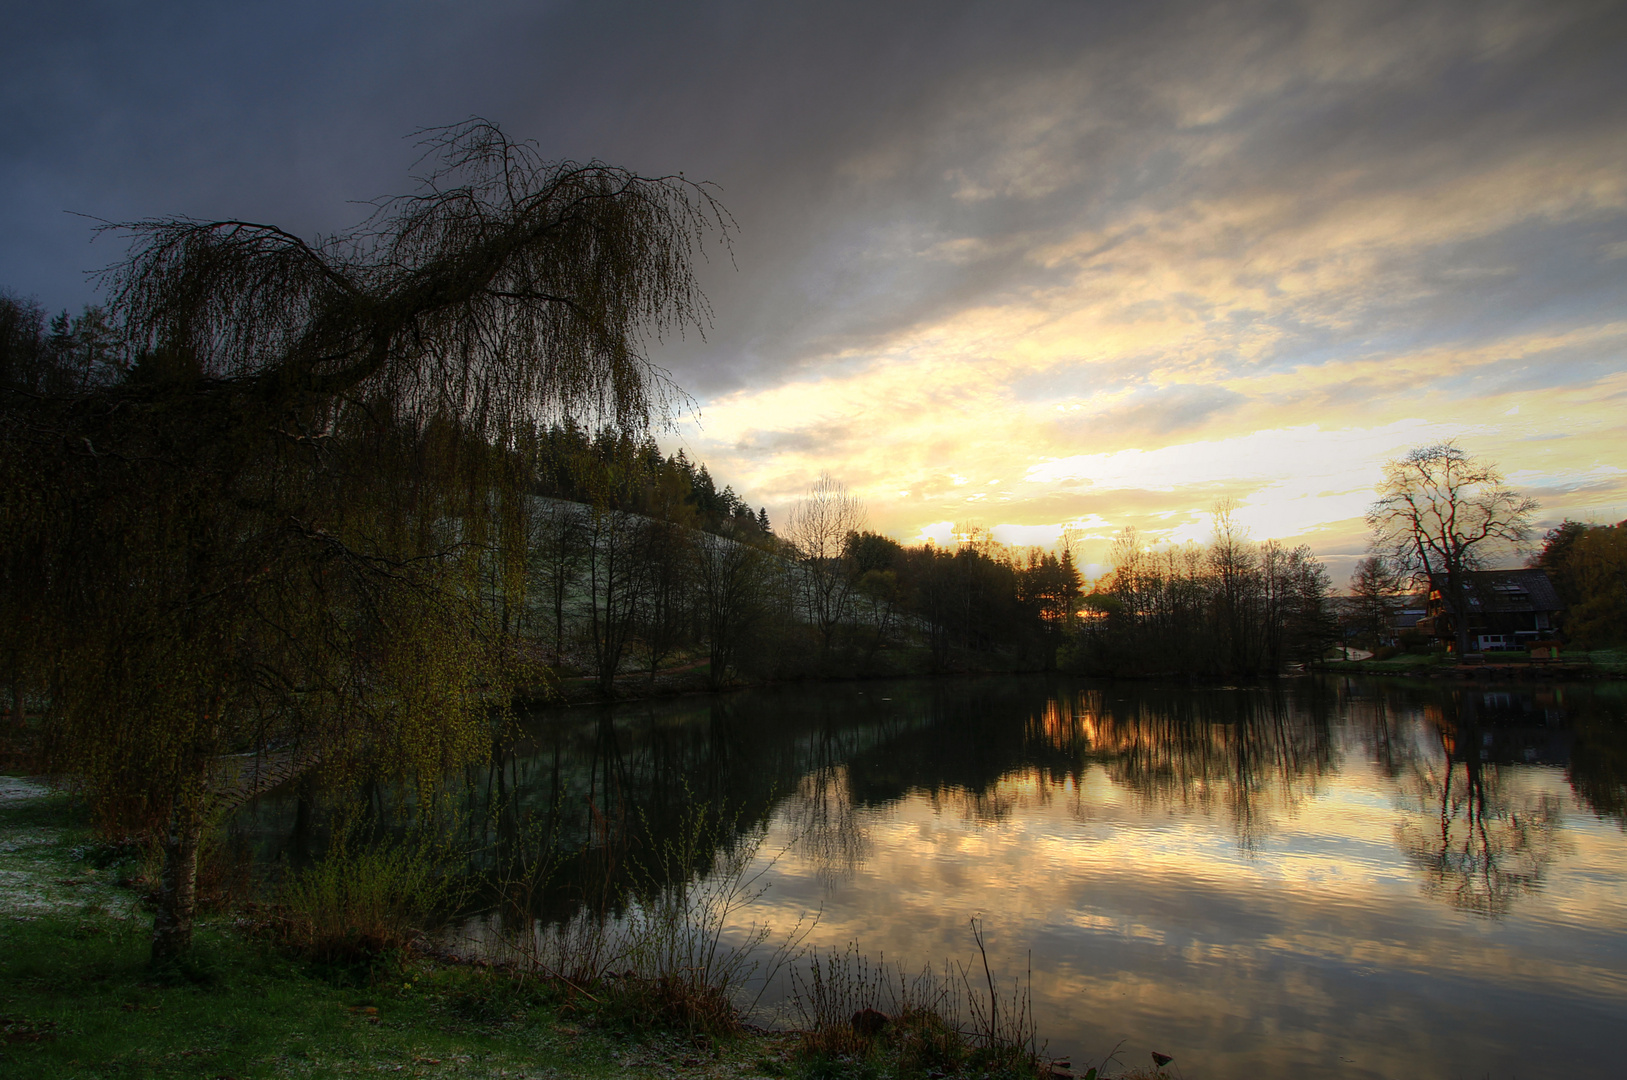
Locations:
{"points": [[1325, 877]]}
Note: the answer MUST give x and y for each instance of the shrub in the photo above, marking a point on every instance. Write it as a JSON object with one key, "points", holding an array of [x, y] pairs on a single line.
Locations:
{"points": [[864, 1020], [366, 899]]}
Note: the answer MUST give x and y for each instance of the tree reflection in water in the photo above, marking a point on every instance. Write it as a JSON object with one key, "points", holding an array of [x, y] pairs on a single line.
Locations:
{"points": [[595, 786], [1598, 764], [824, 823], [1246, 754], [1489, 840]]}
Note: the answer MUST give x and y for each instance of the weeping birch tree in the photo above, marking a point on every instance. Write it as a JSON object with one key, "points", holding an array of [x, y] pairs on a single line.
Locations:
{"points": [[274, 543]]}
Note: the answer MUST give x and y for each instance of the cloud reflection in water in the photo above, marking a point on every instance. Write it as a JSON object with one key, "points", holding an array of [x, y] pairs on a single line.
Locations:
{"points": [[1367, 882]]}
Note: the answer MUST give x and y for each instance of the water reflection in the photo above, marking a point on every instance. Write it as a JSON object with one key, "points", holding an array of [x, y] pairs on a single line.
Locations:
{"points": [[1483, 840], [1248, 756], [1353, 877]]}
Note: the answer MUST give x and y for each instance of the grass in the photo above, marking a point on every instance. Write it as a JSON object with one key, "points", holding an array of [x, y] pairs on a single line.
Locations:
{"points": [[368, 897], [1608, 661], [79, 999], [864, 1021], [1399, 663]]}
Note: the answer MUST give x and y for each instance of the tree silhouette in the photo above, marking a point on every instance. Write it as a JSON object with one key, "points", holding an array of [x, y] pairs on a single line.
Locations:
{"points": [[285, 537], [818, 529], [1437, 515]]}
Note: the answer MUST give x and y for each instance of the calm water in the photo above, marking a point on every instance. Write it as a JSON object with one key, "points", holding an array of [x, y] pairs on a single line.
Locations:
{"points": [[1354, 878]]}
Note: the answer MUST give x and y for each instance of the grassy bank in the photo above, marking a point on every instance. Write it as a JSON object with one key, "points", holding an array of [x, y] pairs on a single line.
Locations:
{"points": [[79, 999], [572, 682], [1596, 663], [81, 1002]]}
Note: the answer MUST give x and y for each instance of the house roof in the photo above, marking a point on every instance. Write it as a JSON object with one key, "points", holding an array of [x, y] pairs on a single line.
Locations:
{"points": [[1505, 590]]}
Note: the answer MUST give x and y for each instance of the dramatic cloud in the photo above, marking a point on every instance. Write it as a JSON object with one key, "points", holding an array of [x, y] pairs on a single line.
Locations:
{"points": [[1024, 266]]}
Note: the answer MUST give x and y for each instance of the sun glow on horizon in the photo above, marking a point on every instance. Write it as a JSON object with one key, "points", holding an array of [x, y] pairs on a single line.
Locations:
{"points": [[1051, 331]]}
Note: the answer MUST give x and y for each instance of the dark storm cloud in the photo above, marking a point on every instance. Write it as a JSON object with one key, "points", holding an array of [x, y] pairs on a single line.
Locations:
{"points": [[1125, 257], [889, 165]]}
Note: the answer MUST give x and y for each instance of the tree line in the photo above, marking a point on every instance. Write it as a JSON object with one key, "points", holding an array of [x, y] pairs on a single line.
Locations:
{"points": [[1233, 608], [825, 596], [649, 563]]}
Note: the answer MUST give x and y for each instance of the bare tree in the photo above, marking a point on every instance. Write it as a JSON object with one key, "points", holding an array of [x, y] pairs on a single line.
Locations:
{"points": [[273, 535], [818, 528], [557, 550], [734, 579], [667, 568], [1439, 516], [615, 576], [1235, 564]]}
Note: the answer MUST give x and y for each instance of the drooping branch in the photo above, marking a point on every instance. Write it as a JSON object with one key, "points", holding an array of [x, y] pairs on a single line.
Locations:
{"points": [[277, 528], [507, 288]]}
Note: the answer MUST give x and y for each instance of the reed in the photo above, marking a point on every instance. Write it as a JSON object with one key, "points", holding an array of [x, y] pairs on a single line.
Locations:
{"points": [[677, 945], [864, 1018]]}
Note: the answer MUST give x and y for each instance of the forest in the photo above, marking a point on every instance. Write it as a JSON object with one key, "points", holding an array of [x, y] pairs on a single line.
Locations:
{"points": [[637, 563], [1234, 608]]}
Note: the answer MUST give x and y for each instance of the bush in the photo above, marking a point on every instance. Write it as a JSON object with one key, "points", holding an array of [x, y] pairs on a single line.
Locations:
{"points": [[1414, 641], [366, 899]]}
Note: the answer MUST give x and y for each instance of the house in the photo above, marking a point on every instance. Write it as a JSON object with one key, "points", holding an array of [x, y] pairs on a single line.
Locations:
{"points": [[1405, 621], [1507, 609]]}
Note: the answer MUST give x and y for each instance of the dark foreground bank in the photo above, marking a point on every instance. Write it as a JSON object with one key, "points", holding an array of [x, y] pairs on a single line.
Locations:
{"points": [[78, 998]]}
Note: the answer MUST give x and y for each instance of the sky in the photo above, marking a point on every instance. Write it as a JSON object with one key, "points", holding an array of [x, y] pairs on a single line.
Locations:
{"points": [[1023, 267]]}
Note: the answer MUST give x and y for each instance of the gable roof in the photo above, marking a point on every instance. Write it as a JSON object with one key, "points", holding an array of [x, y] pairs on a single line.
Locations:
{"points": [[1505, 590]]}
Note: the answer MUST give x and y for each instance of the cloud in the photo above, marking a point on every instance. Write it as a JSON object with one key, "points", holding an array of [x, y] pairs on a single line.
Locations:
{"points": [[1146, 411], [1125, 258]]}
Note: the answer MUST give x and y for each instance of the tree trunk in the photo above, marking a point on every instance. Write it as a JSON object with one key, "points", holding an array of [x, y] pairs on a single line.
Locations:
{"points": [[1459, 592], [178, 895]]}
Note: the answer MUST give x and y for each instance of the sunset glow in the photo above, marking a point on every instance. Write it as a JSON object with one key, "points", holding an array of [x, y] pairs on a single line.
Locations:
{"points": [[1027, 269]]}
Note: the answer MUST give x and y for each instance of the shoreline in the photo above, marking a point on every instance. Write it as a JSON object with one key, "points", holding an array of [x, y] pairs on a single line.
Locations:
{"points": [[82, 1000], [1585, 670]]}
